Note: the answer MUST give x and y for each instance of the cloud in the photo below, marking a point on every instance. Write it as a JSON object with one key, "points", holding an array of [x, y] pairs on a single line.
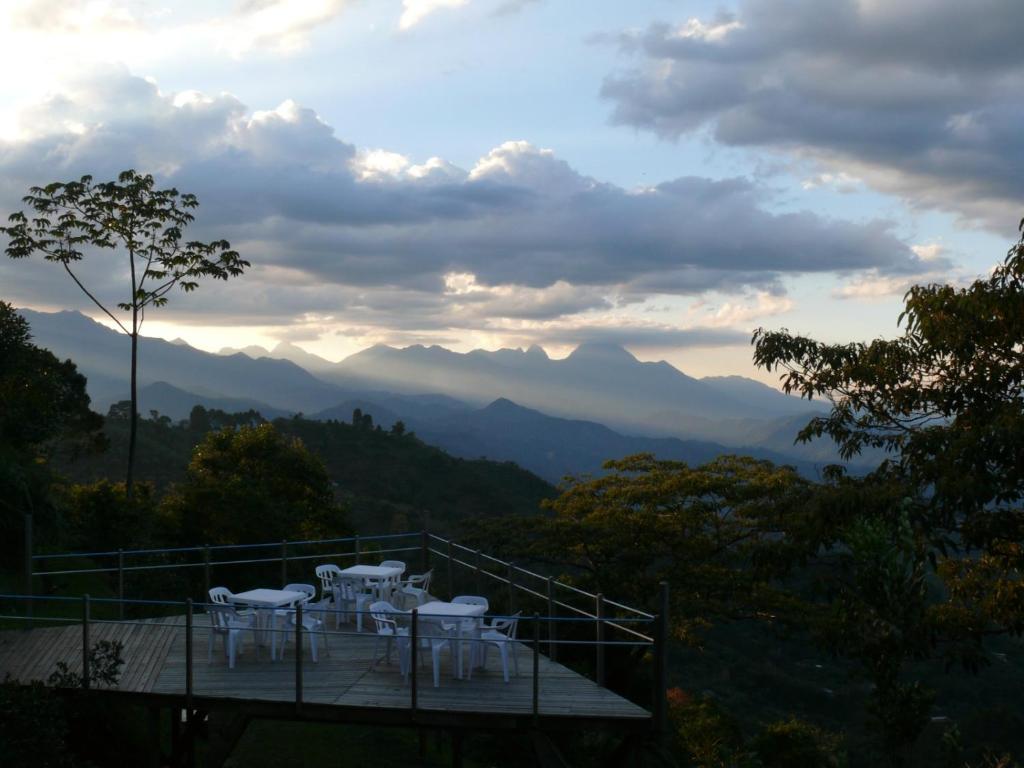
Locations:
{"points": [[415, 11], [919, 98], [379, 240]]}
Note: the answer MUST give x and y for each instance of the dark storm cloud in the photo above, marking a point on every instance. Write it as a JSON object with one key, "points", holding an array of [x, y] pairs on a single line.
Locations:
{"points": [[920, 96], [312, 211]]}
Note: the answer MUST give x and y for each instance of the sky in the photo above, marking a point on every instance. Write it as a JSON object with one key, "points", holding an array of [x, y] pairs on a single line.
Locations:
{"points": [[667, 176]]}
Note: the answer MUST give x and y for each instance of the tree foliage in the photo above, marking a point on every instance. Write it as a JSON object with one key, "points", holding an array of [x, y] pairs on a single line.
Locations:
{"points": [[253, 484], [947, 399], [67, 219]]}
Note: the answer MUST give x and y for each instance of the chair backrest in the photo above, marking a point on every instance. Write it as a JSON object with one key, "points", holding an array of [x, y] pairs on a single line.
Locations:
{"points": [[382, 613], [422, 581], [471, 600], [221, 595], [307, 589], [393, 564], [328, 574], [507, 626]]}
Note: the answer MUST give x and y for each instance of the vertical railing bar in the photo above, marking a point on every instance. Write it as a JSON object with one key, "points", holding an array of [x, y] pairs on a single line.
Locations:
{"points": [[451, 582], [479, 584], [660, 703], [29, 608], [120, 584], [536, 665], [298, 657], [511, 589], [206, 572], [188, 682], [414, 660], [284, 562], [552, 624], [599, 613], [85, 641]]}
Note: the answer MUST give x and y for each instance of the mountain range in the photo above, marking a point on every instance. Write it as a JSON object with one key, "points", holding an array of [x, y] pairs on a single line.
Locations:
{"points": [[552, 416]]}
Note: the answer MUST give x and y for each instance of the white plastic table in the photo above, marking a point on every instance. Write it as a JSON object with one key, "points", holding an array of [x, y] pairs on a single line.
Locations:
{"points": [[457, 612], [380, 574], [264, 601]]}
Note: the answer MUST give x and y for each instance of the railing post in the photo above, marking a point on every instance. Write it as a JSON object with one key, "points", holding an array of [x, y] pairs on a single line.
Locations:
{"points": [[413, 658], [600, 639], [85, 641], [298, 657], [120, 584], [29, 608], [511, 588], [536, 665], [424, 551], [359, 550], [284, 562], [479, 583], [552, 624], [451, 583], [206, 572], [660, 701], [188, 674]]}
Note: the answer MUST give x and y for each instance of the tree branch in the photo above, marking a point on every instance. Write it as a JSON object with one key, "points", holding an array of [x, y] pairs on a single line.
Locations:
{"points": [[94, 299]]}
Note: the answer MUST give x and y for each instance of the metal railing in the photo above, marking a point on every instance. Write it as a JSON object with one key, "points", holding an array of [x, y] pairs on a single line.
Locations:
{"points": [[560, 601]]}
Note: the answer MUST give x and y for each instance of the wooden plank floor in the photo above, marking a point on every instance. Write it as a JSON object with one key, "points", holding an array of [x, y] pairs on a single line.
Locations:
{"points": [[154, 654]]}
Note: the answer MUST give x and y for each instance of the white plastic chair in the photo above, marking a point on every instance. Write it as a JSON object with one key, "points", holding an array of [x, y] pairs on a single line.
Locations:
{"points": [[434, 634], [328, 574], [385, 622], [222, 596], [307, 589], [501, 633], [416, 587], [312, 624], [229, 624], [351, 591]]}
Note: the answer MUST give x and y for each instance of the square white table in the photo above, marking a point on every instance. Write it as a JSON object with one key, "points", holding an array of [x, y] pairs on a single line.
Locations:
{"points": [[456, 612], [380, 574], [264, 601]]}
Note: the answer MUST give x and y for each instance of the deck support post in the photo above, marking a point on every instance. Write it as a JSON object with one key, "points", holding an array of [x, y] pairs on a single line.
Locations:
{"points": [[413, 659], [298, 657], [659, 706], [457, 739], [85, 641], [120, 584], [600, 640], [451, 587], [284, 563], [424, 551], [552, 624], [536, 667]]}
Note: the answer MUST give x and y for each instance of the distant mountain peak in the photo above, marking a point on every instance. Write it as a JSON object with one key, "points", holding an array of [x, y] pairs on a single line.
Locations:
{"points": [[601, 351], [254, 351], [537, 351], [180, 342]]}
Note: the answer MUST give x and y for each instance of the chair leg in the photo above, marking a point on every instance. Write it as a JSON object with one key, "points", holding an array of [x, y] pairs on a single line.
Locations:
{"points": [[435, 653], [312, 645], [209, 648], [504, 659], [229, 641]]}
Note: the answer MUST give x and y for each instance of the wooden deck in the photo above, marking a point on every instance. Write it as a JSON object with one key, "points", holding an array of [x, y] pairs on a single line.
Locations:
{"points": [[341, 686]]}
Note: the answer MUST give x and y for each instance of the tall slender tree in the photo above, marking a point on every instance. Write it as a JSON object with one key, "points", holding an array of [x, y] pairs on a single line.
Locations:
{"points": [[68, 219]]}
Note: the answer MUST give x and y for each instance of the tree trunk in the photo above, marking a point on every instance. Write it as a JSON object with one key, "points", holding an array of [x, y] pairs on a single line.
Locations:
{"points": [[129, 480]]}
